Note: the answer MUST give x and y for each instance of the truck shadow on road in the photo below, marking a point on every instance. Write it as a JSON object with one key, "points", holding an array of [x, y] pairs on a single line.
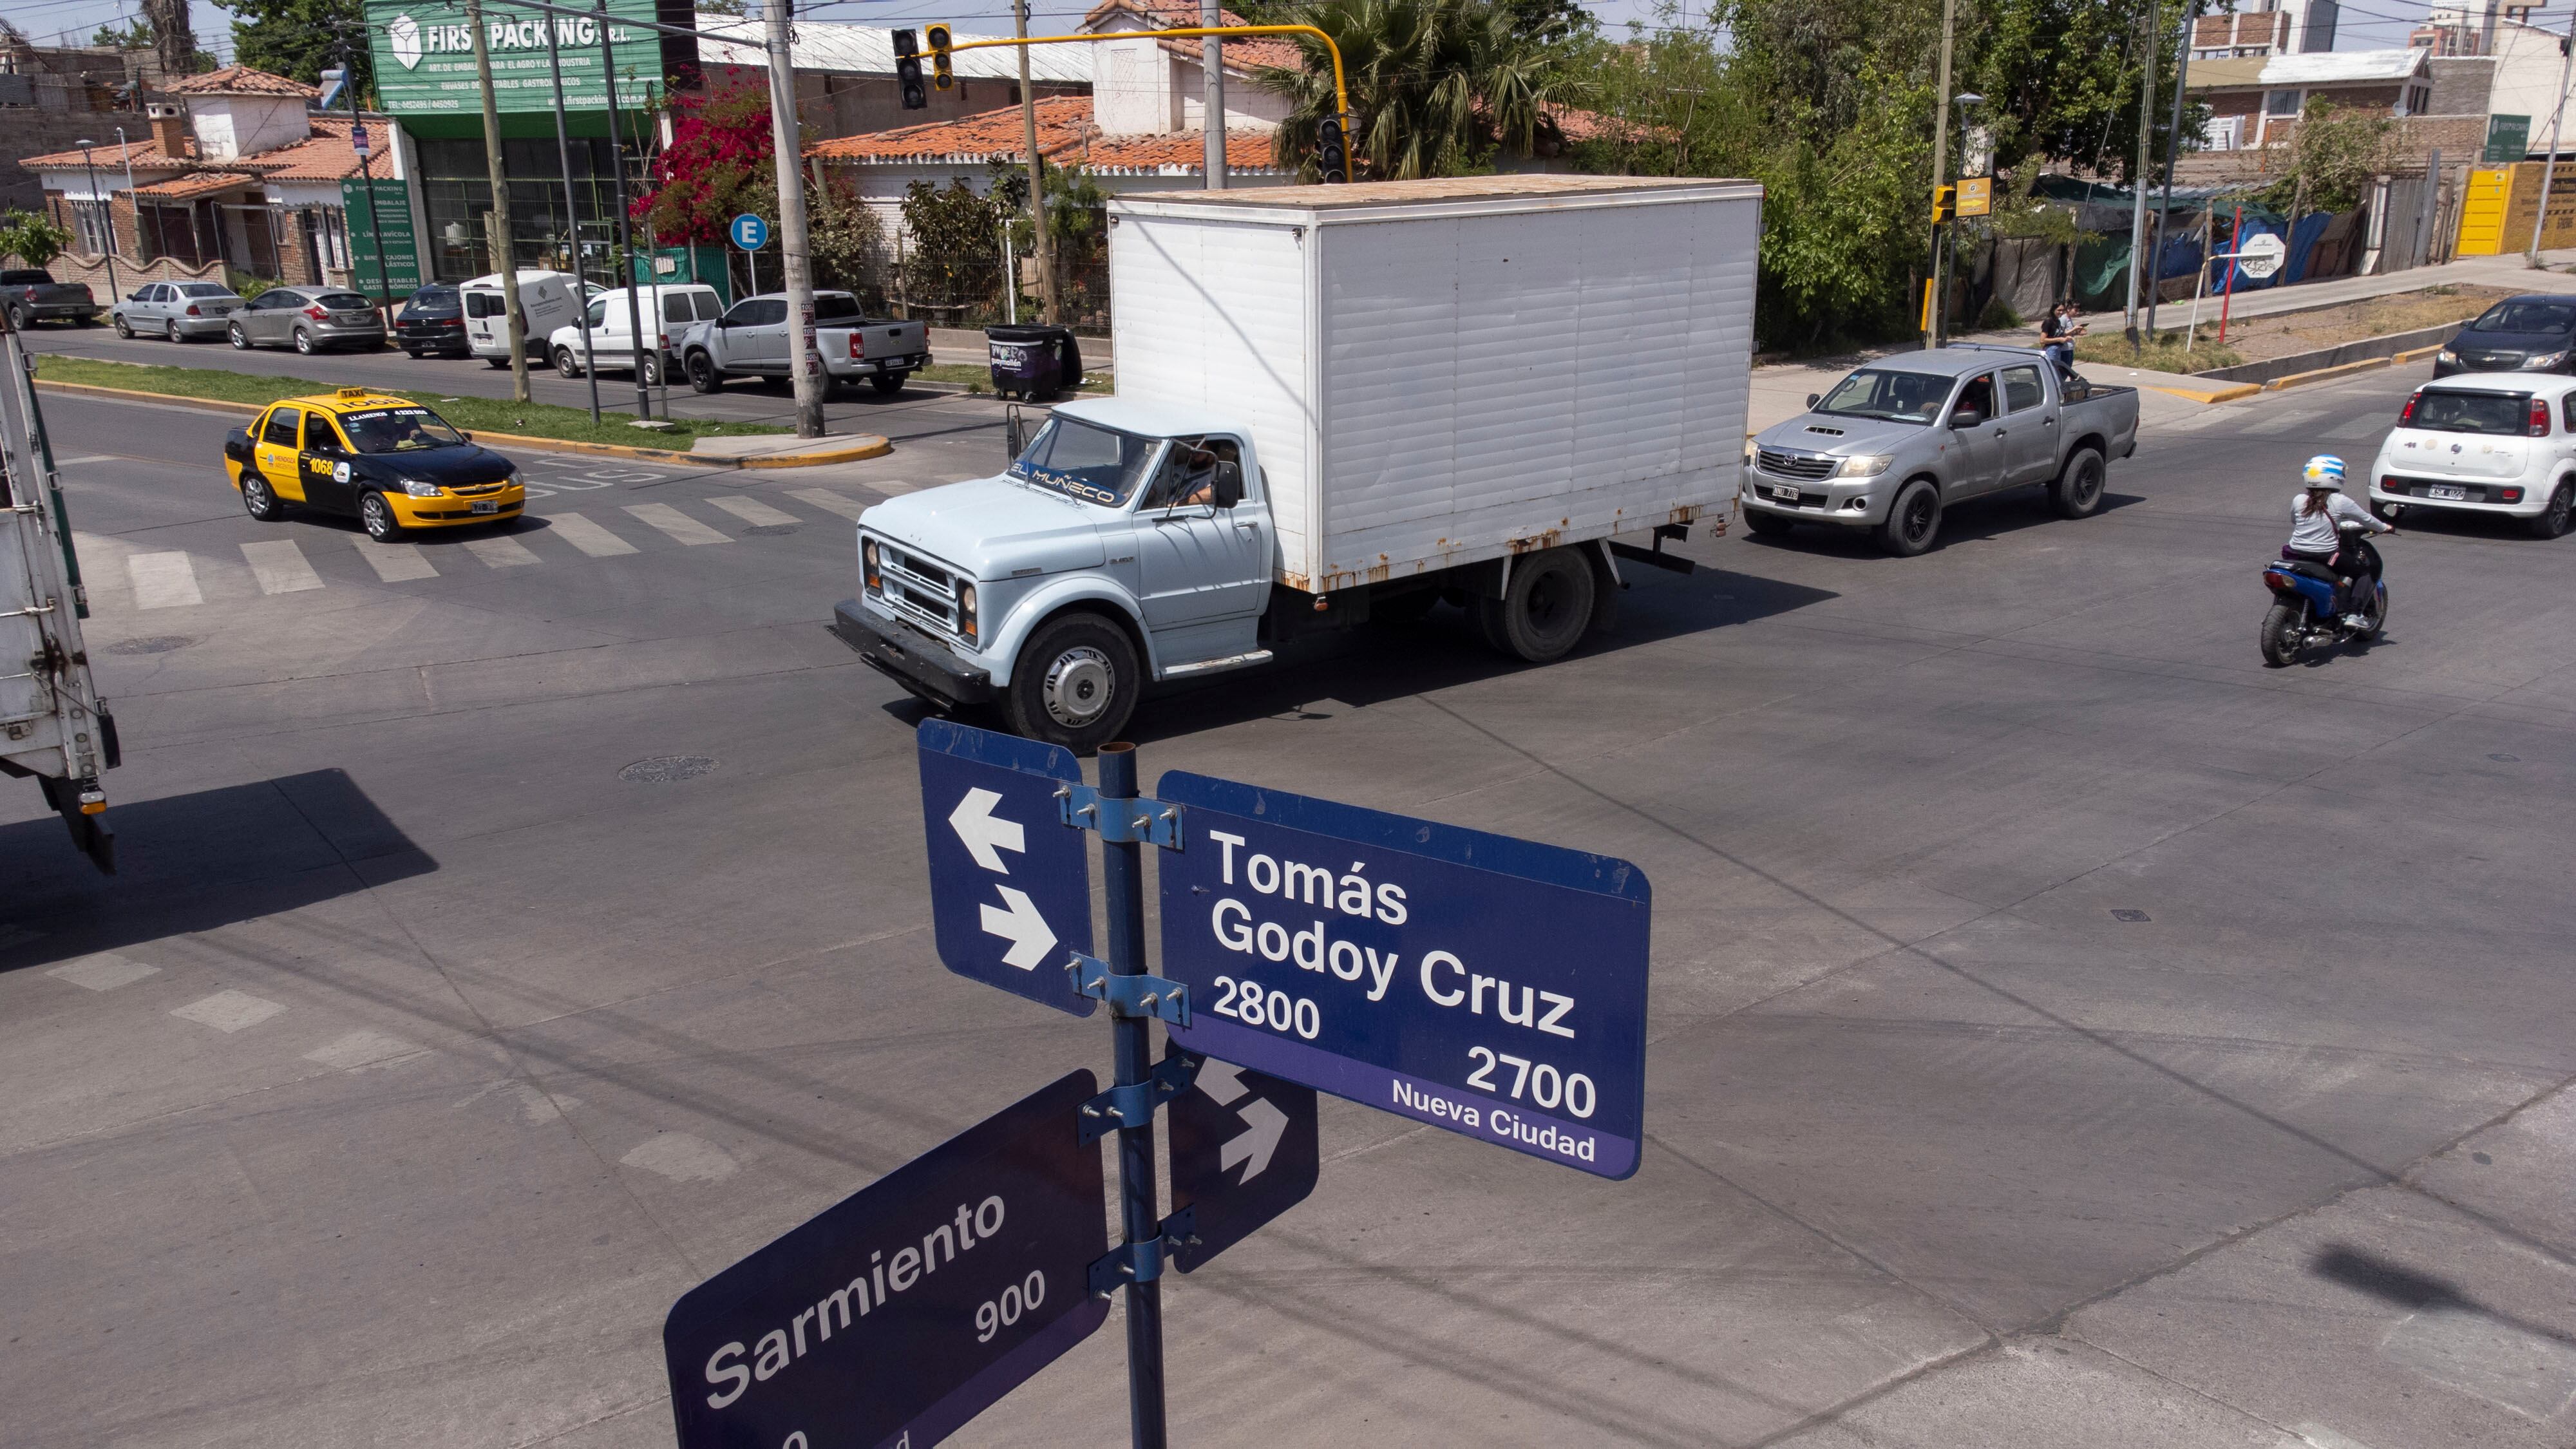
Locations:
{"points": [[1974, 521], [188, 863]]}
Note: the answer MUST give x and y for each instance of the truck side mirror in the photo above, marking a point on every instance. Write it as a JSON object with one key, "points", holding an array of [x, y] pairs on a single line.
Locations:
{"points": [[1015, 433], [1965, 418], [1227, 486]]}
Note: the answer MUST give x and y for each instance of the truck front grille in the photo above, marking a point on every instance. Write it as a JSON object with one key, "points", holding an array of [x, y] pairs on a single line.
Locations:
{"points": [[920, 589], [1794, 465]]}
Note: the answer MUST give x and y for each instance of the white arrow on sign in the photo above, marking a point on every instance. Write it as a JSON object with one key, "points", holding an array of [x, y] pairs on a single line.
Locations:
{"points": [[986, 835], [1224, 1082], [1017, 921]]}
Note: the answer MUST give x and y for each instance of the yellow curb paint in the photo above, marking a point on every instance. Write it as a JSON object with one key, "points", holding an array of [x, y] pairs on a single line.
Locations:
{"points": [[2418, 354], [2324, 374], [2224, 394], [869, 446]]}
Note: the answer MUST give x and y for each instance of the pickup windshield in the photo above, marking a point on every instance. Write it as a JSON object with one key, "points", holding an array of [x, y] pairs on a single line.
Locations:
{"points": [[1897, 397], [1086, 461], [2495, 413]]}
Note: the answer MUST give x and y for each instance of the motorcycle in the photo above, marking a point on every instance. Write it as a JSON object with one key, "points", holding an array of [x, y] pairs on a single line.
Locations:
{"points": [[2306, 611]]}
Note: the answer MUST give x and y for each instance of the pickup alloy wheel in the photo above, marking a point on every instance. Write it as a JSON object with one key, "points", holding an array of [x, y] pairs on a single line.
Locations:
{"points": [[1075, 683], [1913, 520], [703, 376], [2077, 493]]}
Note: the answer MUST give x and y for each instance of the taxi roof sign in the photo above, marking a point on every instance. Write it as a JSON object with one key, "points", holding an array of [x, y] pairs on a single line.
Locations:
{"points": [[352, 394]]}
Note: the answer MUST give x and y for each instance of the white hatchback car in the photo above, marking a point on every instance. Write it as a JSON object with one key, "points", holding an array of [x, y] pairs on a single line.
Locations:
{"points": [[2499, 443]]}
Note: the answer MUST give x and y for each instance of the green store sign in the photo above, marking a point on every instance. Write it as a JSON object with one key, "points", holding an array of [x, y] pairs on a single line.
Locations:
{"points": [[424, 57], [386, 213]]}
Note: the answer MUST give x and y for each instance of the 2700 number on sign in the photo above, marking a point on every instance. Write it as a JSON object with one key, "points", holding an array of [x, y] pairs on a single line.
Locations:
{"points": [[1545, 1085], [1253, 1004]]}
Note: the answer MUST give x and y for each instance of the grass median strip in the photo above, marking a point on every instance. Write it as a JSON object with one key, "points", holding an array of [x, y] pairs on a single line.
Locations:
{"points": [[473, 414]]}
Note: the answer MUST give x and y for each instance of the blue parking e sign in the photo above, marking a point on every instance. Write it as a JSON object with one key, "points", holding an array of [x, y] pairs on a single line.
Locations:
{"points": [[1010, 882], [749, 232], [1488, 986]]}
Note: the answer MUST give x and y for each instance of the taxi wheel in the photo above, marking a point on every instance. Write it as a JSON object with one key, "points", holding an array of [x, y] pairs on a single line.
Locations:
{"points": [[378, 516], [260, 501]]}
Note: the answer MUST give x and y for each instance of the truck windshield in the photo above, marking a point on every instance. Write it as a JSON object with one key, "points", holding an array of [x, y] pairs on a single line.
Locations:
{"points": [[1086, 461], [1900, 397]]}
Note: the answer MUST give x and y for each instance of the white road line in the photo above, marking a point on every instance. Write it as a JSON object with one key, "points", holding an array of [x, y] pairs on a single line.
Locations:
{"points": [[829, 501], [2361, 427], [229, 1011], [2283, 423], [587, 536], [279, 567], [86, 458], [501, 551], [105, 971], [163, 580], [394, 562], [753, 511], [680, 526]]}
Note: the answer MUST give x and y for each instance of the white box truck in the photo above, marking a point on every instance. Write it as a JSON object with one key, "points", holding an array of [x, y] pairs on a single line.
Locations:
{"points": [[53, 727], [550, 300], [1337, 403]]}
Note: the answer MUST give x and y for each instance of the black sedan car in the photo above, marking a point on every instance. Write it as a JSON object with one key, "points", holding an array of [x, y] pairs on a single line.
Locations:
{"points": [[2533, 333], [432, 322]]}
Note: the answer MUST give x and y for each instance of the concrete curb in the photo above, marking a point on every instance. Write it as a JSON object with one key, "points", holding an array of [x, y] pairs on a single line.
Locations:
{"points": [[866, 445], [2326, 374], [2214, 395], [2322, 359]]}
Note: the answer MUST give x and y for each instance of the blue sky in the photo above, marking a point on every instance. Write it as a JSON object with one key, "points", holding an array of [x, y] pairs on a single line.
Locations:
{"points": [[2367, 25]]}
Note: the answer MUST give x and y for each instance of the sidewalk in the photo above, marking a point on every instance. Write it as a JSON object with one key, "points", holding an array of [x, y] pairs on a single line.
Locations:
{"points": [[966, 345]]}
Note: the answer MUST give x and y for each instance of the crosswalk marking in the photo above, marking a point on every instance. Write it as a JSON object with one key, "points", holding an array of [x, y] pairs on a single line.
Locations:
{"points": [[279, 567], [2283, 423], [163, 580], [500, 551], [829, 501], [587, 536], [679, 526], [753, 511], [2369, 425], [395, 562]]}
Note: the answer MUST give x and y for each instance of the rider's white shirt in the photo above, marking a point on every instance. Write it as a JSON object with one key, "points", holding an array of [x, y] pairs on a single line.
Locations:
{"points": [[2315, 532]]}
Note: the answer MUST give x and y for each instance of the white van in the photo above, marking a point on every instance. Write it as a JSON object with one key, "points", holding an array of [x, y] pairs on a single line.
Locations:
{"points": [[668, 312], [546, 297]]}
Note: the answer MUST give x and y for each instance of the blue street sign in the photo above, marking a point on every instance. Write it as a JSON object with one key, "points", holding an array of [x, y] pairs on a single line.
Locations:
{"points": [[1489, 986], [911, 1306], [749, 232], [1245, 1149], [1010, 882]]}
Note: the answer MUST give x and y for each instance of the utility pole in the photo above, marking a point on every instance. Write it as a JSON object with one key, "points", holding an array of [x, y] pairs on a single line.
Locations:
{"points": [[572, 208], [498, 218], [1044, 243], [1940, 174], [632, 283], [2549, 171], [1212, 109], [2173, 151], [792, 234], [2139, 178]]}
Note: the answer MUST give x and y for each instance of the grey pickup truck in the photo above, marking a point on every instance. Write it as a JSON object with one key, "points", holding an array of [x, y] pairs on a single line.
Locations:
{"points": [[1898, 441], [754, 339], [32, 295]]}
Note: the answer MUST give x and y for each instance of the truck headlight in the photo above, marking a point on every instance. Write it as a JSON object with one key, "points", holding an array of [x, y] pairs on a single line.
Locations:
{"points": [[868, 566], [966, 611], [1867, 466], [422, 488]]}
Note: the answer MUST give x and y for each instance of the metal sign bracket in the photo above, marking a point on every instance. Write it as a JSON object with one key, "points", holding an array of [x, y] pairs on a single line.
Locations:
{"points": [[1130, 821], [1131, 996], [1134, 1105], [1127, 1263]]}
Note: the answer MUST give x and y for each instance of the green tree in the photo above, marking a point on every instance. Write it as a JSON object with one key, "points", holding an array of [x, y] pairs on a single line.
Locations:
{"points": [[131, 35], [955, 259], [302, 38], [32, 238], [1437, 87], [2333, 156]]}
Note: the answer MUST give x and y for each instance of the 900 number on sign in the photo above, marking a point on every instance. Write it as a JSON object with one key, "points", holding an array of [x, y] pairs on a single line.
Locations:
{"points": [[1253, 1004]]}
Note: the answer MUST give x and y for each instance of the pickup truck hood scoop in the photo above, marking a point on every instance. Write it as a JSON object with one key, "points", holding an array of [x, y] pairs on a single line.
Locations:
{"points": [[1843, 437], [1828, 432], [993, 528]]}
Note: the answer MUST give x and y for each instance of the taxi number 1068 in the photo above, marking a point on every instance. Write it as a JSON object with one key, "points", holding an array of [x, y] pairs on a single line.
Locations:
{"points": [[1253, 1004]]}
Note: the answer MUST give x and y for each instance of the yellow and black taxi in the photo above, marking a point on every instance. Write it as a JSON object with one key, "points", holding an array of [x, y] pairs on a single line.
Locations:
{"points": [[386, 461]]}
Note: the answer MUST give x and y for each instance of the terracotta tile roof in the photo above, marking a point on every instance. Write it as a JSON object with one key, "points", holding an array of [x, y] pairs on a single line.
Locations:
{"points": [[1066, 135], [143, 151], [1240, 55], [326, 157], [241, 80], [196, 183]]}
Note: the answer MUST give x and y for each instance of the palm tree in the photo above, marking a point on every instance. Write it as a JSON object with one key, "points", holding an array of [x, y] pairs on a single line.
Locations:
{"points": [[1436, 86]]}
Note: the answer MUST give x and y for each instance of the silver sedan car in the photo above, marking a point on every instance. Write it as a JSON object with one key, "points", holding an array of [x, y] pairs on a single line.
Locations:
{"points": [[308, 319], [176, 311]]}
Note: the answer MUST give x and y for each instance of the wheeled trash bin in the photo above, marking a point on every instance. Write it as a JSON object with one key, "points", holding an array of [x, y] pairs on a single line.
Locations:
{"points": [[1031, 361]]}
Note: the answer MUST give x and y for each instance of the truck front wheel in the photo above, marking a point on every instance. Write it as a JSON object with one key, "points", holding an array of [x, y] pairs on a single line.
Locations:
{"points": [[1075, 684], [703, 376], [1544, 610]]}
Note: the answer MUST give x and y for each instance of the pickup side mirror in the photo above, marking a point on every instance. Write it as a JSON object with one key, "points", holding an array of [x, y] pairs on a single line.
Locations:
{"points": [[1813, 398], [1227, 485], [1965, 418]]}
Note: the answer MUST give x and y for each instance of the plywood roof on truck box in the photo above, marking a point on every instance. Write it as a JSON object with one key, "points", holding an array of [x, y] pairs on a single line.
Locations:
{"points": [[1433, 192]]}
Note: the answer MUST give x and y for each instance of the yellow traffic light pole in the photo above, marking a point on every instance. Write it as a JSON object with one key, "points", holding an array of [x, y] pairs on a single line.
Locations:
{"points": [[1341, 95]]}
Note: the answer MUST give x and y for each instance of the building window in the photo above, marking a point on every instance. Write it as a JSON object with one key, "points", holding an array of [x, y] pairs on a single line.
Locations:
{"points": [[91, 227], [2280, 103]]}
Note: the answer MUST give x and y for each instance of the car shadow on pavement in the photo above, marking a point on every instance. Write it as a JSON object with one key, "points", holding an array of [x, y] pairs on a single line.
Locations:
{"points": [[1974, 521], [189, 863]]}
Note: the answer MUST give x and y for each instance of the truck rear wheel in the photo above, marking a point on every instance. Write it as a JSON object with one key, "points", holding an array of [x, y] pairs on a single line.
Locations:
{"points": [[2077, 493], [1075, 684], [1546, 608]]}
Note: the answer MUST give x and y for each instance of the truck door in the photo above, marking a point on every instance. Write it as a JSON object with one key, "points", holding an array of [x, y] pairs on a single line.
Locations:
{"points": [[2029, 427], [487, 324], [1197, 563], [755, 335], [1976, 446], [275, 451]]}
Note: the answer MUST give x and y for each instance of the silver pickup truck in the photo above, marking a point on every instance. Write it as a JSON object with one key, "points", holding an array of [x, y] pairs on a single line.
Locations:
{"points": [[1900, 440], [755, 339]]}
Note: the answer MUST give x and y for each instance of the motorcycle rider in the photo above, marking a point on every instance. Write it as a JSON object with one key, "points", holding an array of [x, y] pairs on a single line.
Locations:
{"points": [[2317, 515]]}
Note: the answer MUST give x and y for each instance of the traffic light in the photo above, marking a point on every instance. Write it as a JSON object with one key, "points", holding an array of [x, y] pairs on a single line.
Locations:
{"points": [[1945, 204], [940, 75], [907, 71], [1332, 155]]}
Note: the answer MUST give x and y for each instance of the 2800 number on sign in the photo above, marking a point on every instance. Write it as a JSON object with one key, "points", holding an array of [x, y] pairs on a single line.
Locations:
{"points": [[1253, 1004]]}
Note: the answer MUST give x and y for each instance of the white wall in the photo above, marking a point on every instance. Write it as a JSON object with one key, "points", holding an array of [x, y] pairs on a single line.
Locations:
{"points": [[231, 127], [2527, 73]]}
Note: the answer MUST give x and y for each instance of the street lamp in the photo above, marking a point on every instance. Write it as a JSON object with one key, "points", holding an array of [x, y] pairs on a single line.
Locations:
{"points": [[107, 220]]}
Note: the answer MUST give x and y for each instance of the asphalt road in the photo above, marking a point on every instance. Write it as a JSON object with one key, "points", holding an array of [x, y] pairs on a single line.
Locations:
{"points": [[2066, 1030]]}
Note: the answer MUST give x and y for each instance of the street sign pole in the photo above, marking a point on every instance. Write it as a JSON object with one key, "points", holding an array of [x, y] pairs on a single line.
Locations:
{"points": [[1122, 874], [572, 211]]}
